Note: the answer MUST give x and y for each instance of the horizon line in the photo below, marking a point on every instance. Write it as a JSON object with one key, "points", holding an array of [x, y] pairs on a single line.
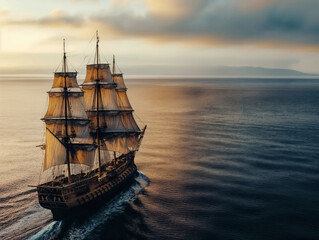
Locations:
{"points": [[154, 77]]}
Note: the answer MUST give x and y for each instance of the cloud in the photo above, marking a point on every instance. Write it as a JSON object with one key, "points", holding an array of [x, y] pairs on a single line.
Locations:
{"points": [[269, 23], [84, 0], [56, 13], [283, 22], [115, 3], [172, 8], [4, 14], [255, 5]]}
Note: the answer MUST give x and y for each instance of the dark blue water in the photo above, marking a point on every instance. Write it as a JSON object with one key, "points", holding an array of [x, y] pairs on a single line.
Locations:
{"points": [[221, 159]]}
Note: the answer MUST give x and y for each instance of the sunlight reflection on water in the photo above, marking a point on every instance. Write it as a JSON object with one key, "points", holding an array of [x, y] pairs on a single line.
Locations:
{"points": [[226, 160]]}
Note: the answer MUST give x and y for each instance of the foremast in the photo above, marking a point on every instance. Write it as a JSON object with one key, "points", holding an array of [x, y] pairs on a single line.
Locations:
{"points": [[66, 139], [67, 136], [98, 92]]}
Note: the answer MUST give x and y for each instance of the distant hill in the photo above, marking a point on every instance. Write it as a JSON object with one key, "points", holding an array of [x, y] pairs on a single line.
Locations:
{"points": [[182, 70], [206, 70], [258, 71]]}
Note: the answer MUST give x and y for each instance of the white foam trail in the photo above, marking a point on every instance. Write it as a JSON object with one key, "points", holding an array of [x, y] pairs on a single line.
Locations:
{"points": [[48, 232], [115, 206]]}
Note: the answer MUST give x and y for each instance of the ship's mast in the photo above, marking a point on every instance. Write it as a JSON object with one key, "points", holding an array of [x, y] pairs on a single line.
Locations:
{"points": [[66, 139], [98, 92], [113, 64], [113, 71]]}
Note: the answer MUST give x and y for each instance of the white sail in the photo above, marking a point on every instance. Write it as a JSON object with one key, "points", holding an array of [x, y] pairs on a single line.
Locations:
{"points": [[56, 108], [105, 156], [56, 154], [122, 144]]}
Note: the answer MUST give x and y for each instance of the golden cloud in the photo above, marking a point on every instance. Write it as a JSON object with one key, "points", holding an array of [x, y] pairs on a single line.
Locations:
{"points": [[171, 8]]}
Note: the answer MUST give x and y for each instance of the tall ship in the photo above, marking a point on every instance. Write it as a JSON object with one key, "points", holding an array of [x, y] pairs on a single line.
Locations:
{"points": [[91, 139]]}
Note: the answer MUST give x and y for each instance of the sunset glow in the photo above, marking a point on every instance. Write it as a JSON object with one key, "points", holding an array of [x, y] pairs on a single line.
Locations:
{"points": [[150, 36]]}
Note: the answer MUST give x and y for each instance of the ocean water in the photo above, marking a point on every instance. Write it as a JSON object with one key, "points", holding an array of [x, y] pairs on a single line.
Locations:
{"points": [[221, 159]]}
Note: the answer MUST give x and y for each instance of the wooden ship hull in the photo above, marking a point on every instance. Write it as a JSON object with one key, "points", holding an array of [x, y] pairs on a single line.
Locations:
{"points": [[64, 199], [87, 127]]}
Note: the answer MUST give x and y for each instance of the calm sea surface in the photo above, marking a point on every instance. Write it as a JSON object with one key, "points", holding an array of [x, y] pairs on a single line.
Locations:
{"points": [[221, 159]]}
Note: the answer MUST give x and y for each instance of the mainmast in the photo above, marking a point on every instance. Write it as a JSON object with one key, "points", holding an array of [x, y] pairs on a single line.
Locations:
{"points": [[98, 92], [66, 139], [112, 123], [113, 72]]}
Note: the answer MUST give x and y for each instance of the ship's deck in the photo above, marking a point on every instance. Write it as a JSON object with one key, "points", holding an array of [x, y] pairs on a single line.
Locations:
{"points": [[107, 171]]}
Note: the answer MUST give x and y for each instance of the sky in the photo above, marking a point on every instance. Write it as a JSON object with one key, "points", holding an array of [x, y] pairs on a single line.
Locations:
{"points": [[159, 37]]}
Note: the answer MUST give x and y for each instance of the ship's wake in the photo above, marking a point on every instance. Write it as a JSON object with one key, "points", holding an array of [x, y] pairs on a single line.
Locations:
{"points": [[82, 229]]}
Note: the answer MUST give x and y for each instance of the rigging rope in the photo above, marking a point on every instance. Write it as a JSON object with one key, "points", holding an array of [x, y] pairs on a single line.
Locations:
{"points": [[139, 118], [82, 65], [73, 67], [119, 68], [58, 66], [105, 58]]}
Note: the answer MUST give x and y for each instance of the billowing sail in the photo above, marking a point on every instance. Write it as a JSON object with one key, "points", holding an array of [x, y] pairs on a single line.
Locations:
{"points": [[55, 153], [67, 124], [122, 144], [126, 110], [109, 110], [101, 106], [124, 104], [121, 97], [100, 101]]}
